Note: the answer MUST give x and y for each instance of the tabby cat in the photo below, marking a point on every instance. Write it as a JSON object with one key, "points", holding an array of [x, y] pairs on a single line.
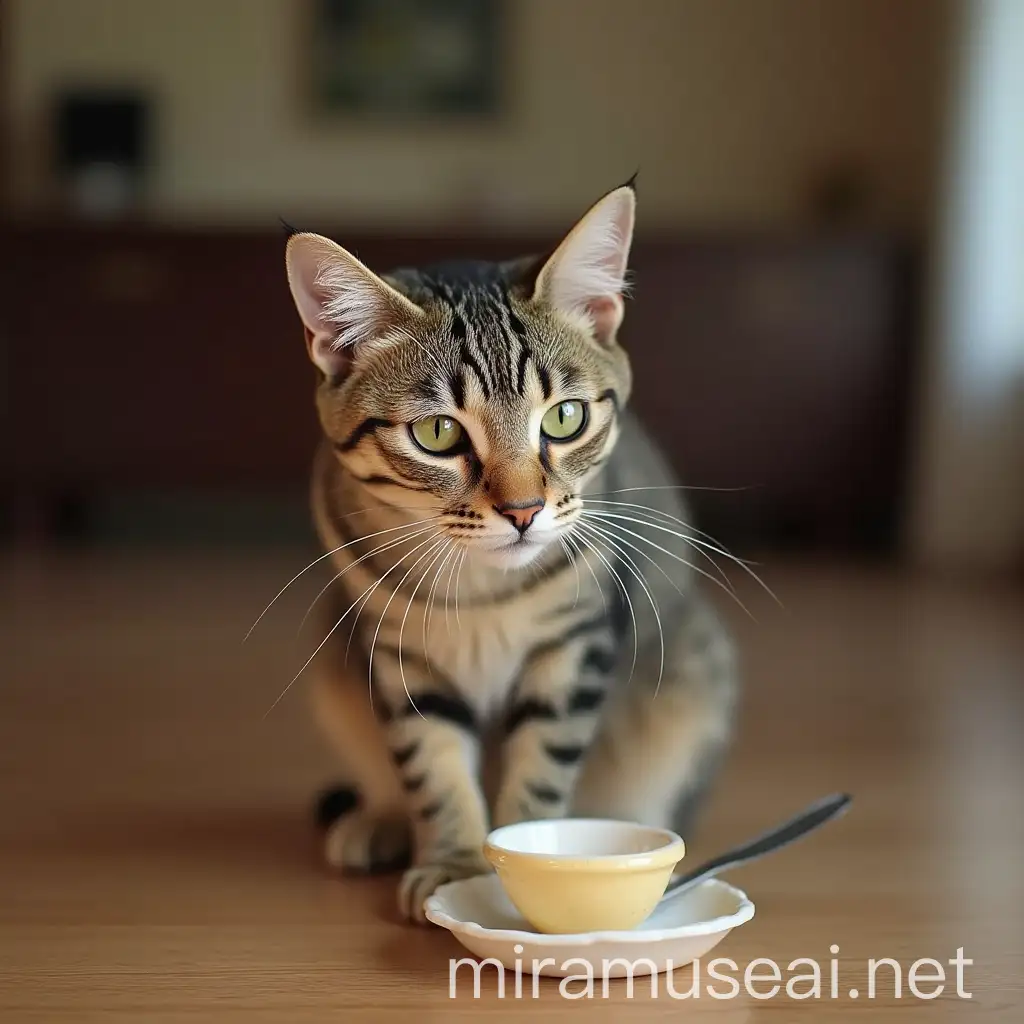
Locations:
{"points": [[514, 590]]}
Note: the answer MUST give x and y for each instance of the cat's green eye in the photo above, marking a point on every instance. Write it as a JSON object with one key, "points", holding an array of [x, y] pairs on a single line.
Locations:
{"points": [[437, 434], [564, 421]]}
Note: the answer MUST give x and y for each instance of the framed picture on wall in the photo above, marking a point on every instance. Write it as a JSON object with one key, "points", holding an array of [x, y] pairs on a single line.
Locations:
{"points": [[407, 57]]}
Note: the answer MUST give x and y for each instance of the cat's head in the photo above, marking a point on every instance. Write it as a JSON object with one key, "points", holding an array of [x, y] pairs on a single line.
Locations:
{"points": [[484, 394]]}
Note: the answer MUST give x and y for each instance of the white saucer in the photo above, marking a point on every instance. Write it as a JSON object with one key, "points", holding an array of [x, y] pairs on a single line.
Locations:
{"points": [[478, 913]]}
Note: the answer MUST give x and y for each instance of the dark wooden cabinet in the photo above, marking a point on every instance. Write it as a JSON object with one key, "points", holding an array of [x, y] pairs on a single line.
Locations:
{"points": [[170, 360], [154, 359]]}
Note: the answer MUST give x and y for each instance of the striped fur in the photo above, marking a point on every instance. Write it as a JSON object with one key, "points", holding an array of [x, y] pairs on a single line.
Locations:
{"points": [[481, 628]]}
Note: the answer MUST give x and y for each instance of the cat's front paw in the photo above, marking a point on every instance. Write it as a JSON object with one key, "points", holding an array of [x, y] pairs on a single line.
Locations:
{"points": [[421, 881], [361, 843]]}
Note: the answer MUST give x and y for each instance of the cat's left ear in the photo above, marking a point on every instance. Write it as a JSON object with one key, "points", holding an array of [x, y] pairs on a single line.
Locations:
{"points": [[586, 275], [343, 305]]}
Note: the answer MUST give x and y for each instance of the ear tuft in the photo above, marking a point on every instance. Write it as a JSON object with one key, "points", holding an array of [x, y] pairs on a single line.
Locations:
{"points": [[343, 304], [586, 276]]}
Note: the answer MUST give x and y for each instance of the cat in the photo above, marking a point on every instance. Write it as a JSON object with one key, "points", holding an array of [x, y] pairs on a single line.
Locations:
{"points": [[478, 445]]}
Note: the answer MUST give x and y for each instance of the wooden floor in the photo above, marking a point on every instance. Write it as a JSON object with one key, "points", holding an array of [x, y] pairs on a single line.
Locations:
{"points": [[156, 861]]}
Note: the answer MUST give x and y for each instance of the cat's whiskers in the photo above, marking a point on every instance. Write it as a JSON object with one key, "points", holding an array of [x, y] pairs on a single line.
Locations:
{"points": [[366, 593], [584, 538], [604, 529], [367, 596], [434, 543], [620, 530], [708, 542], [456, 561], [670, 487], [635, 570], [576, 568], [432, 592], [538, 570], [672, 519], [574, 541], [649, 510], [386, 546], [458, 577], [377, 507], [327, 554], [437, 551], [696, 541]]}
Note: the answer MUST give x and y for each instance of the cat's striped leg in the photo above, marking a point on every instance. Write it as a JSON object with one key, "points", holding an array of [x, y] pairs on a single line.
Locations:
{"points": [[661, 745], [435, 745], [366, 827], [553, 716]]}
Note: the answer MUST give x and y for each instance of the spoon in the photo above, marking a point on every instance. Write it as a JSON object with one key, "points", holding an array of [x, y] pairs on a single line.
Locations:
{"points": [[809, 819]]}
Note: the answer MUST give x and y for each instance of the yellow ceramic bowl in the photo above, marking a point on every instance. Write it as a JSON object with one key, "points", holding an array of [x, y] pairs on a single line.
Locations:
{"points": [[576, 875]]}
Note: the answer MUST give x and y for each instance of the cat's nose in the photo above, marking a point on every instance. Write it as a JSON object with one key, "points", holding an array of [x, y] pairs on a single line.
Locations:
{"points": [[520, 513]]}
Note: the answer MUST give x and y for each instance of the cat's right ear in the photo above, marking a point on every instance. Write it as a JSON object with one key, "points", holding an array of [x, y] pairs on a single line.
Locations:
{"points": [[343, 305], [586, 275]]}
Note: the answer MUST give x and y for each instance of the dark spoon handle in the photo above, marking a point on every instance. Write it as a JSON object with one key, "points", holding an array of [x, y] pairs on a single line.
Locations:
{"points": [[812, 817]]}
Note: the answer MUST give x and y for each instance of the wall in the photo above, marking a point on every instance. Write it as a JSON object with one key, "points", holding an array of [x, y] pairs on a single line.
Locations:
{"points": [[728, 106], [970, 485]]}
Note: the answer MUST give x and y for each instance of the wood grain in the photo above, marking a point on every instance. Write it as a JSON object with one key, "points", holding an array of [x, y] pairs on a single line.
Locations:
{"points": [[156, 860]]}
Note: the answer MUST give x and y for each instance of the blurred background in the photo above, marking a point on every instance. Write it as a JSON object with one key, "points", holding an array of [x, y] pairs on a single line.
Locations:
{"points": [[828, 314], [827, 335]]}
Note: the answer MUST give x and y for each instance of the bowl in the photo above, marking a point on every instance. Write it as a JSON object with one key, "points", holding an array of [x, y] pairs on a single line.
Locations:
{"points": [[574, 875]]}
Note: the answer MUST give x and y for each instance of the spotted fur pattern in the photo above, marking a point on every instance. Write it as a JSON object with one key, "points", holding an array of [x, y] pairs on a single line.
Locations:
{"points": [[504, 640]]}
